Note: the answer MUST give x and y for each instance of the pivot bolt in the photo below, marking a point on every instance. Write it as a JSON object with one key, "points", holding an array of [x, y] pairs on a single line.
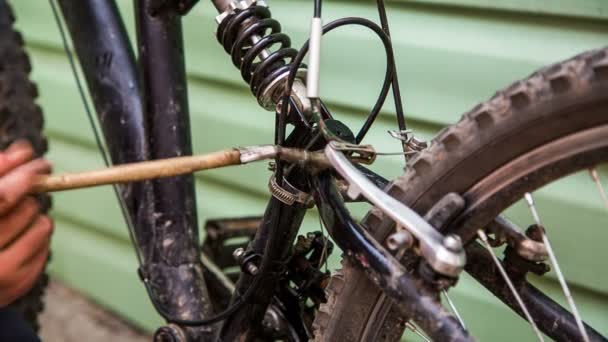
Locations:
{"points": [[400, 240], [453, 243], [238, 254], [250, 267]]}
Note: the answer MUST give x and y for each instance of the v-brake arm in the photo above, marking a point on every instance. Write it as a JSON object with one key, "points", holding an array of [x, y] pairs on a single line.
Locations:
{"points": [[410, 296], [443, 253]]}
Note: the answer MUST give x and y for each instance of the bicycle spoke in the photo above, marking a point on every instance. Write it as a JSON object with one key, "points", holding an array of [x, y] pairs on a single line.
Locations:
{"points": [[486, 244], [417, 331], [558, 271], [324, 250], [454, 310], [596, 179]]}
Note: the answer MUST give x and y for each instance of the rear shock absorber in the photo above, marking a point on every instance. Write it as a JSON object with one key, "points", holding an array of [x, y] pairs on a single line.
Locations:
{"points": [[259, 50]]}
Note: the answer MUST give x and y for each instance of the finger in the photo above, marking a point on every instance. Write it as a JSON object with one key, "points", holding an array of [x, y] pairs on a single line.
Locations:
{"points": [[26, 247], [16, 154], [24, 279], [17, 220], [18, 182], [13, 271], [36, 238]]}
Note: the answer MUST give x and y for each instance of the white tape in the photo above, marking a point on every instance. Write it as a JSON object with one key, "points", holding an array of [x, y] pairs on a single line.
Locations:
{"points": [[314, 58]]}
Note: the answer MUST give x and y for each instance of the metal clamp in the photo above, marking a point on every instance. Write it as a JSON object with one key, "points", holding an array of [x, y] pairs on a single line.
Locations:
{"points": [[364, 154], [288, 194], [257, 152], [413, 144], [443, 254]]}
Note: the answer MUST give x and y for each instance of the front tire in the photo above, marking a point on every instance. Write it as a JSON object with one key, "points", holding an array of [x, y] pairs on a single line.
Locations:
{"points": [[556, 101], [20, 118]]}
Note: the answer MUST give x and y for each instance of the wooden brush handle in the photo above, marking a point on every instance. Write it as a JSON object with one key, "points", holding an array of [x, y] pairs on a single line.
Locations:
{"points": [[135, 172]]}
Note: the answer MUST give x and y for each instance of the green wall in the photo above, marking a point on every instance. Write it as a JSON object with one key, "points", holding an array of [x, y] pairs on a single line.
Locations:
{"points": [[451, 54]]}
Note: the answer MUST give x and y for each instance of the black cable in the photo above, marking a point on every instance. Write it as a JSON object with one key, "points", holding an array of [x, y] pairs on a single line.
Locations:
{"points": [[234, 307], [295, 64], [317, 10], [395, 81]]}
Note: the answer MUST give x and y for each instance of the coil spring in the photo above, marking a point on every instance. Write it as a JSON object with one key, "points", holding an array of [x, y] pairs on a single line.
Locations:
{"points": [[237, 32]]}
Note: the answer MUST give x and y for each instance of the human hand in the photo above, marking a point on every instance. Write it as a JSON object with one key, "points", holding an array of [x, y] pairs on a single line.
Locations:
{"points": [[24, 231]]}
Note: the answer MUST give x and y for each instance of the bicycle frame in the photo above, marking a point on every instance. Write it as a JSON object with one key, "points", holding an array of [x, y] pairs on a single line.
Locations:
{"points": [[142, 108], [143, 113]]}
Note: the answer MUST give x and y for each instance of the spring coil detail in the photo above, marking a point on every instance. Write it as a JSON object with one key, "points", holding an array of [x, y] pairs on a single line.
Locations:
{"points": [[259, 49]]}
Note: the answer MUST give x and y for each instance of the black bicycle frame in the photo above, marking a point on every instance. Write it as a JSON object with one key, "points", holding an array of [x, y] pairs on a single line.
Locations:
{"points": [[143, 113]]}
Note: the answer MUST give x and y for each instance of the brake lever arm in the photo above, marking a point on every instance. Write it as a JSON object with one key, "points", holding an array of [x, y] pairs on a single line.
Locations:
{"points": [[447, 259]]}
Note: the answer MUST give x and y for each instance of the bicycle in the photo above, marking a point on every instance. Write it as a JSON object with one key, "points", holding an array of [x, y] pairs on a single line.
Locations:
{"points": [[458, 185]]}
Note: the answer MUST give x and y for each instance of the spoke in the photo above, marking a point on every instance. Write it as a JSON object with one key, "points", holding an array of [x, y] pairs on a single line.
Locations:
{"points": [[413, 328], [486, 244], [217, 272], [324, 250], [454, 310], [596, 178], [558, 271]]}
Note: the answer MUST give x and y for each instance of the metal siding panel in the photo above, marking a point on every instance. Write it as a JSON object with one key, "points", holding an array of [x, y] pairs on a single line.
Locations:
{"points": [[592, 9], [103, 268]]}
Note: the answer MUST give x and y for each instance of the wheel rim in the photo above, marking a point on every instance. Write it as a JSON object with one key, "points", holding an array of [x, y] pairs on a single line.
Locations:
{"points": [[551, 162], [539, 167]]}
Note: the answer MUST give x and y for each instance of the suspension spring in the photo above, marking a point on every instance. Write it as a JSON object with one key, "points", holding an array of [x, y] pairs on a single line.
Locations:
{"points": [[259, 49]]}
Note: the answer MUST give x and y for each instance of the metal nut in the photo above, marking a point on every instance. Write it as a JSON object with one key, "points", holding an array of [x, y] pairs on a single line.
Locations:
{"points": [[400, 240]]}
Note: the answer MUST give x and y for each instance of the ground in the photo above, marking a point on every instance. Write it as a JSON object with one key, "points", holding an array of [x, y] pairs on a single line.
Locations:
{"points": [[71, 317]]}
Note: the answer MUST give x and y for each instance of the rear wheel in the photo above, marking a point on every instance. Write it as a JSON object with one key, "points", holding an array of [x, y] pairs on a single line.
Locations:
{"points": [[483, 158], [20, 118]]}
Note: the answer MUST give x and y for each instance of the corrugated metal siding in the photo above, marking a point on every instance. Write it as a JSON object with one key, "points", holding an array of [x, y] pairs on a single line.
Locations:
{"points": [[450, 54]]}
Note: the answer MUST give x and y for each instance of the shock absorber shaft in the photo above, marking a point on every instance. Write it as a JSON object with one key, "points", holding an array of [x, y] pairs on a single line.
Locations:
{"points": [[224, 7], [264, 53]]}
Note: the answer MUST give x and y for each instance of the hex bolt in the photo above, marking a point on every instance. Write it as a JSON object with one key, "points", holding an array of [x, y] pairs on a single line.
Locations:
{"points": [[238, 254], [453, 243], [273, 320], [251, 268], [399, 240]]}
